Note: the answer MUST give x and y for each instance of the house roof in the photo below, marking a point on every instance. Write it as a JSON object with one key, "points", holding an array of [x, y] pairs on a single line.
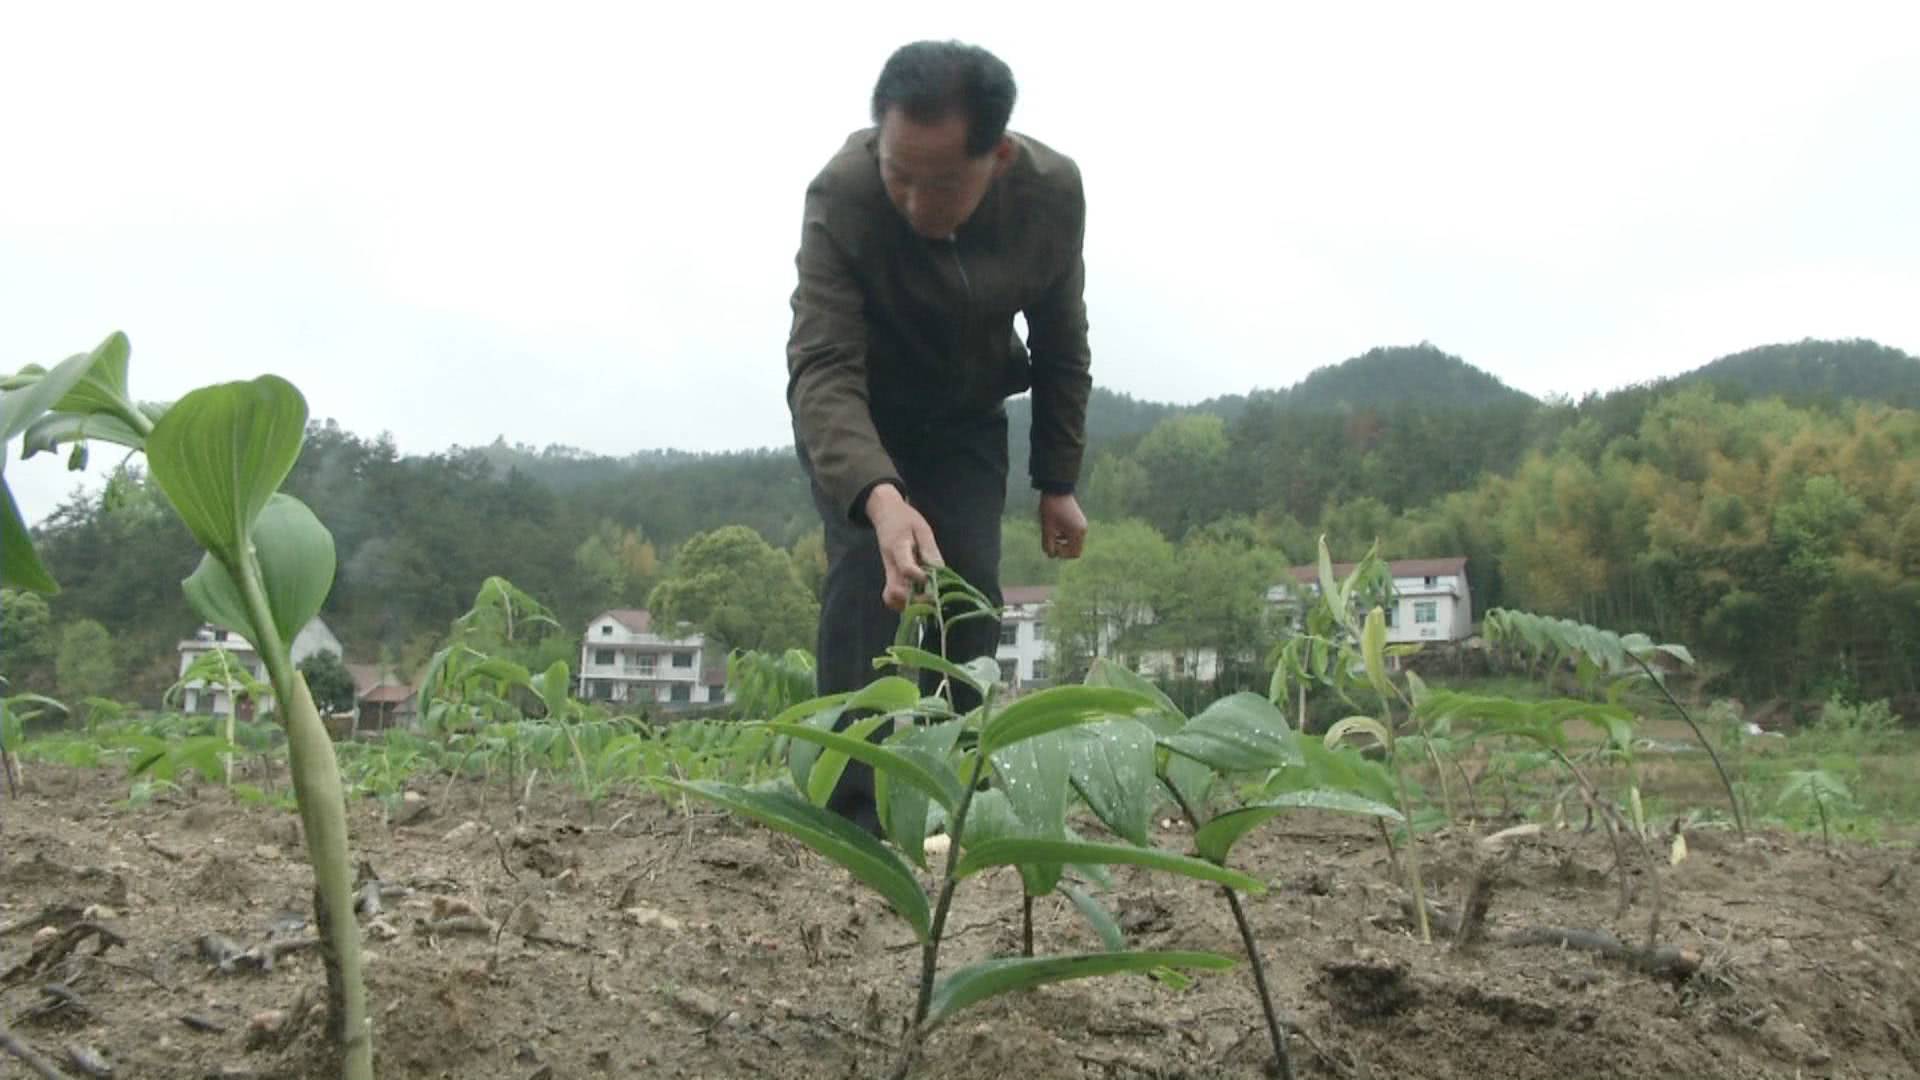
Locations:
{"points": [[370, 677], [1401, 568], [385, 694], [638, 620], [1026, 594]]}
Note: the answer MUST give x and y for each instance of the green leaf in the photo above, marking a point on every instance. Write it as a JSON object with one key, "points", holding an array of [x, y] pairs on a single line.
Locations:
{"points": [[1024, 850], [903, 807], [296, 559], [1242, 732], [990, 816], [933, 777], [1217, 837], [20, 565], [1056, 708], [1112, 766], [48, 432], [1192, 779], [1035, 775], [221, 452], [1098, 917], [19, 408], [1373, 640], [1108, 673], [910, 657], [1678, 652], [832, 763], [978, 982], [830, 835], [1352, 725], [1330, 590], [103, 388]]}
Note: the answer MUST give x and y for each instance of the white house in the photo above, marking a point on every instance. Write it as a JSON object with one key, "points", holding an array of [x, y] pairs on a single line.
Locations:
{"points": [[1431, 599], [197, 696], [1023, 653], [623, 659]]}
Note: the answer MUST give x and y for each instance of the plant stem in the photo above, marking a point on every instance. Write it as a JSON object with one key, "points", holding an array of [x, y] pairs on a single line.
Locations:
{"points": [[930, 952], [1413, 856], [323, 813], [1026, 923], [1733, 800], [1260, 984], [1252, 949]]}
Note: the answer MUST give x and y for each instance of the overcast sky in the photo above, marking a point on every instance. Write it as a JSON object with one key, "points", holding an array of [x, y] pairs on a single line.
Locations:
{"points": [[568, 223]]}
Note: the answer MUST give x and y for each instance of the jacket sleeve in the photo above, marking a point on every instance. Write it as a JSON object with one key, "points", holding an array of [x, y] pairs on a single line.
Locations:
{"points": [[827, 367], [1061, 358]]}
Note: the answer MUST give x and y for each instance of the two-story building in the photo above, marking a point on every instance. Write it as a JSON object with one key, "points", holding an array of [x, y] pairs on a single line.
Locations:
{"points": [[1431, 600], [626, 660], [198, 697], [1023, 652]]}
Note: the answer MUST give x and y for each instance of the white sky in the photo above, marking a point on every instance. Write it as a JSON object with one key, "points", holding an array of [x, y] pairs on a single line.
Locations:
{"points": [[575, 223]]}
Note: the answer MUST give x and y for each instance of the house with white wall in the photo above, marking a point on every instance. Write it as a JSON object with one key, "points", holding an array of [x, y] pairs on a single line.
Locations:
{"points": [[626, 660], [198, 697], [1431, 600], [1025, 658]]}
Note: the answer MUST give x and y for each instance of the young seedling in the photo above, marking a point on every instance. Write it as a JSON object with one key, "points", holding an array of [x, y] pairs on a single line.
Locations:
{"points": [[918, 762], [1820, 788], [219, 455], [1597, 655], [1123, 776]]}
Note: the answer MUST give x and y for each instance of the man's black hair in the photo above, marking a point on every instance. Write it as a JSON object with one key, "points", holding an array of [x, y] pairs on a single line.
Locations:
{"points": [[932, 80]]}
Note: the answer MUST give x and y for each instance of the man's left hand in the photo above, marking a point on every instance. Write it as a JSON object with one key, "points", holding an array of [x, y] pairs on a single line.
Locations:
{"points": [[1063, 528]]}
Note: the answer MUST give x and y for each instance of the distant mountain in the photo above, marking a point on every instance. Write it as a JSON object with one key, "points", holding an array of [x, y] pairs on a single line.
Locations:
{"points": [[1818, 371], [1399, 375]]}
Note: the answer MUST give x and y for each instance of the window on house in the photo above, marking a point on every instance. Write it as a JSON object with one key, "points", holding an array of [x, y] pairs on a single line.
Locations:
{"points": [[683, 659], [1009, 671], [603, 656], [1039, 629], [1426, 611], [1039, 669], [219, 635], [1009, 633], [606, 630], [1430, 581], [1393, 615], [643, 664], [682, 692]]}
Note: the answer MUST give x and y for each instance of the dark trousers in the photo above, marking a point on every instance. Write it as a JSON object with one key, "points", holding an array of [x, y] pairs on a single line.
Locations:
{"points": [[957, 479]]}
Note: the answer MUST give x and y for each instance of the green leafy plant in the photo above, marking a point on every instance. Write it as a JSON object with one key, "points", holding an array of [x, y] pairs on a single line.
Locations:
{"points": [[218, 669], [219, 455], [966, 765], [1185, 759], [1821, 790], [15, 711], [1604, 657]]}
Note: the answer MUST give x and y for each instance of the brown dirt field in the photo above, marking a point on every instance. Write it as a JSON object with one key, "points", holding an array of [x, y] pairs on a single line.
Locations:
{"points": [[647, 943]]}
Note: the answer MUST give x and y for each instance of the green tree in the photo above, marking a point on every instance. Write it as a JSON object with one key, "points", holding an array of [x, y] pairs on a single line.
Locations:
{"points": [[1108, 596], [329, 681], [85, 666], [1183, 457], [1220, 604], [26, 640], [1021, 560], [739, 590]]}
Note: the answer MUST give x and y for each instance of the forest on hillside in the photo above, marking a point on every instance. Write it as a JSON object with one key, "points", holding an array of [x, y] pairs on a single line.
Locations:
{"points": [[1764, 509]]}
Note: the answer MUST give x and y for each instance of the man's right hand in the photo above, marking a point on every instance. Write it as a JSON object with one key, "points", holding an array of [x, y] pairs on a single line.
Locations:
{"points": [[906, 543]]}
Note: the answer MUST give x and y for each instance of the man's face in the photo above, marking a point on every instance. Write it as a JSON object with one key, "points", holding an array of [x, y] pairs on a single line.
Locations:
{"points": [[929, 177]]}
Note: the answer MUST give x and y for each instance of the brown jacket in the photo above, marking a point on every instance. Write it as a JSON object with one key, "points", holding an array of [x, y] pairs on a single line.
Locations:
{"points": [[895, 336]]}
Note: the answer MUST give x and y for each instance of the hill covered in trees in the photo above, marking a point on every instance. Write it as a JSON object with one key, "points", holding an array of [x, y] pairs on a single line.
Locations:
{"points": [[1780, 537]]}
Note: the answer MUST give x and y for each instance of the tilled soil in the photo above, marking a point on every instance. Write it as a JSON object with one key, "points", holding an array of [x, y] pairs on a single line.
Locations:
{"points": [[545, 942]]}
